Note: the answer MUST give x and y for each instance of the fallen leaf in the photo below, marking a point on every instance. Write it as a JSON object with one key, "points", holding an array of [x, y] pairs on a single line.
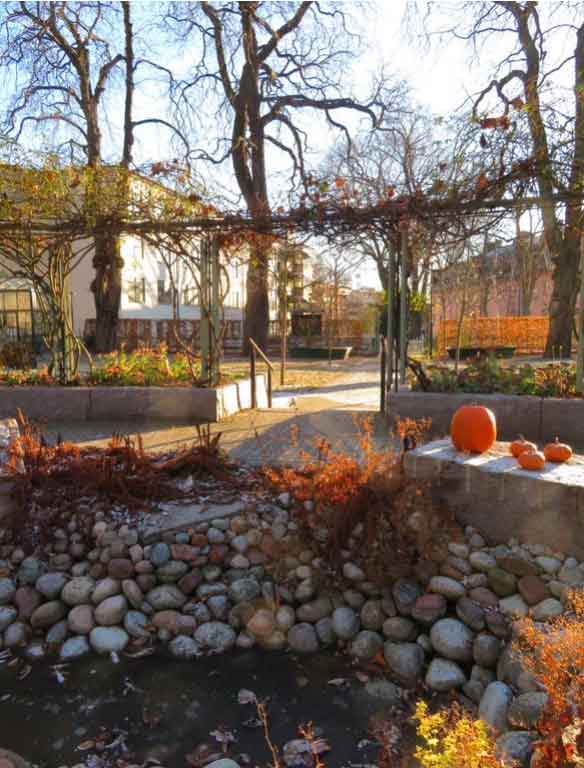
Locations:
{"points": [[85, 745], [246, 697]]}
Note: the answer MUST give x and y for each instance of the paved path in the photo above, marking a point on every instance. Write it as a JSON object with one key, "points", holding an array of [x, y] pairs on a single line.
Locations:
{"points": [[297, 420]]}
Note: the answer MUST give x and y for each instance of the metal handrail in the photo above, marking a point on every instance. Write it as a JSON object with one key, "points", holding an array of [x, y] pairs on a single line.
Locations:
{"points": [[254, 351]]}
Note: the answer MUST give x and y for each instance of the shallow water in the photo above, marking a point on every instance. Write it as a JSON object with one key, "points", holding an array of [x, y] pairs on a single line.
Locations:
{"points": [[167, 707]]}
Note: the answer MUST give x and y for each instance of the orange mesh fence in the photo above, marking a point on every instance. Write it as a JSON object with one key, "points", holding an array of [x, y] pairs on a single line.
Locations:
{"points": [[527, 334]]}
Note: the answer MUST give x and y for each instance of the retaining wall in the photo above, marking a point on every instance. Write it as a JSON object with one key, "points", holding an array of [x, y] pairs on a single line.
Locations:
{"points": [[540, 419], [137, 404]]}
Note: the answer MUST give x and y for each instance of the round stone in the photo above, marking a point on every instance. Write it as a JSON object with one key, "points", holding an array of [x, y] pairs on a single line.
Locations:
{"points": [[429, 608], [302, 638], [240, 544], [166, 596], [324, 631], [74, 648], [172, 571], [105, 588], [547, 609], [526, 710], [183, 647], [406, 661], [262, 623], [516, 747], [215, 637], [448, 588], [405, 593], [120, 568], [486, 649], [399, 629], [444, 675], [502, 583], [8, 614], [108, 639], [80, 619], [482, 561], [135, 623], [78, 591], [7, 591], [452, 639], [494, 705], [57, 633], [514, 607], [372, 615], [471, 613], [160, 554], [47, 614], [244, 590], [111, 611], [352, 572], [345, 623], [30, 570], [285, 617], [16, 635], [366, 645], [132, 593], [27, 599], [315, 610], [50, 585]]}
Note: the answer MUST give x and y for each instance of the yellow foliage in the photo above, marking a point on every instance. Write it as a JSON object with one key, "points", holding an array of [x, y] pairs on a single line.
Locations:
{"points": [[451, 739]]}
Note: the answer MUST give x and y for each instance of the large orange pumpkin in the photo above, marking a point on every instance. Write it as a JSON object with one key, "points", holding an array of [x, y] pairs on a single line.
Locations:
{"points": [[473, 428], [557, 452], [533, 460]]}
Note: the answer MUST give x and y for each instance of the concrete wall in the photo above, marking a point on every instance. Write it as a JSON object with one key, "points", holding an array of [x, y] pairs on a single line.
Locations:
{"points": [[138, 404], [536, 418]]}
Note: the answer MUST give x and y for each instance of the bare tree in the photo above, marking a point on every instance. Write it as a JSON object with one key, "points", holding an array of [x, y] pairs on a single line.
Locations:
{"points": [[267, 62], [523, 91]]}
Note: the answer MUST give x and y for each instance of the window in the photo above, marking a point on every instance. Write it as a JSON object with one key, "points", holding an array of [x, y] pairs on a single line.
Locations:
{"points": [[136, 291], [234, 329], [164, 292], [190, 295]]}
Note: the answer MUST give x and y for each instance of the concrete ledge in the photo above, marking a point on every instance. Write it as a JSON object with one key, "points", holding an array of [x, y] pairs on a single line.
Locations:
{"points": [[492, 493], [536, 418], [138, 404]]}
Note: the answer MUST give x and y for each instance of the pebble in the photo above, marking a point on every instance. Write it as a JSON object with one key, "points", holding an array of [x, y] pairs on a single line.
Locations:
{"points": [[160, 554], [428, 609], [515, 748], [111, 611], [215, 636], [7, 591], [486, 649], [166, 596], [47, 614], [406, 661], [547, 609], [74, 648], [105, 588], [8, 614], [494, 706], [501, 582], [81, 620], [50, 585], [444, 675], [183, 647], [526, 710], [345, 623], [372, 615], [405, 593], [108, 639], [399, 629], [452, 639], [482, 561], [471, 614], [514, 607], [78, 591], [366, 645], [302, 638], [352, 572]]}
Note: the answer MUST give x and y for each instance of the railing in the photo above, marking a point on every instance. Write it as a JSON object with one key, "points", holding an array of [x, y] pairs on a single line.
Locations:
{"points": [[254, 351]]}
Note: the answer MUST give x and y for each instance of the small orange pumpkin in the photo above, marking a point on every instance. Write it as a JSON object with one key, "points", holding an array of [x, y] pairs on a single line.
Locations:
{"points": [[533, 460], [557, 452], [473, 428], [521, 445]]}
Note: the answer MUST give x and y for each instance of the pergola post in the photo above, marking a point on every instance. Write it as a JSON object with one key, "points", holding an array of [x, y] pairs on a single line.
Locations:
{"points": [[210, 328], [390, 328], [403, 306]]}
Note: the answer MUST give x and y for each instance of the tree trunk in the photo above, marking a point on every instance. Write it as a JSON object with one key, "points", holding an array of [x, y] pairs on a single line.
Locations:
{"points": [[563, 301], [257, 308], [107, 291]]}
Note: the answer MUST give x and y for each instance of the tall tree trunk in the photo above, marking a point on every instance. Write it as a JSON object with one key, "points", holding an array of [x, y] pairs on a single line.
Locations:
{"points": [[107, 291], [257, 308], [563, 301]]}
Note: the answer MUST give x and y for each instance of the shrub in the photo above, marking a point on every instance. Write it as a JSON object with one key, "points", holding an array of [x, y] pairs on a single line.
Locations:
{"points": [[452, 739], [142, 368], [15, 354], [555, 655]]}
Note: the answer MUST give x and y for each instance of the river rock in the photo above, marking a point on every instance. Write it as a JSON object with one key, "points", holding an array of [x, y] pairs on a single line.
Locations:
{"points": [[57, 633], [160, 554], [27, 600], [74, 648], [547, 609], [111, 611], [215, 636], [406, 661], [514, 749], [325, 631], [428, 609], [452, 639], [372, 615], [7, 591], [244, 590], [262, 623], [494, 705], [444, 675], [166, 596], [345, 623], [502, 582], [17, 635], [486, 649], [108, 639], [447, 587], [482, 561], [8, 614], [526, 710], [366, 645], [172, 571], [511, 670], [81, 620], [532, 589], [399, 629], [285, 617], [183, 647], [190, 581], [30, 570], [132, 593], [105, 588], [47, 614], [470, 613], [50, 585], [78, 591], [302, 638], [315, 610], [135, 623], [405, 593], [514, 607]]}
